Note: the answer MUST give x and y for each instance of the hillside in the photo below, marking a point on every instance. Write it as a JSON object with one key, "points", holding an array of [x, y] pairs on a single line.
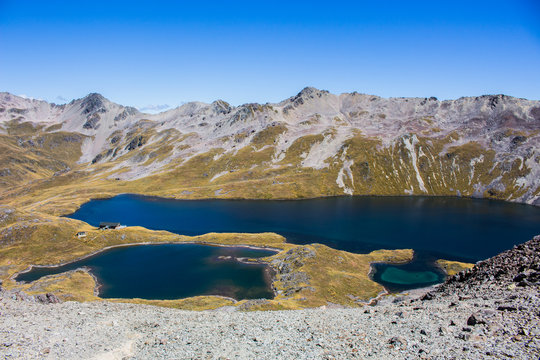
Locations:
{"points": [[312, 144]]}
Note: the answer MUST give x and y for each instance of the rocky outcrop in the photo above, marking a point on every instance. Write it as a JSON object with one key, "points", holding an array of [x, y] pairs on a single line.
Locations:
{"points": [[46, 298], [93, 103], [289, 279], [128, 111], [136, 142], [518, 267]]}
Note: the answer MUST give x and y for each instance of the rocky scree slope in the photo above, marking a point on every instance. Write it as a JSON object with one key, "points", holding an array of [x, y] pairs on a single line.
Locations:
{"points": [[312, 144], [488, 312]]}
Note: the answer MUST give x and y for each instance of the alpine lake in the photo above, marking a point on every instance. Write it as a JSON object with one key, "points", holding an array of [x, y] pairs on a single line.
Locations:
{"points": [[460, 229]]}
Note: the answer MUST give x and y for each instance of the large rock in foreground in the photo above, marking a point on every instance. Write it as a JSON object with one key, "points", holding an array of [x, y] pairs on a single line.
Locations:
{"points": [[518, 267]]}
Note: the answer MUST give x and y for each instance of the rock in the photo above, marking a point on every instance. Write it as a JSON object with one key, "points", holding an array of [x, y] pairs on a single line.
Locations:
{"points": [[128, 111], [93, 103], [97, 158], [47, 298], [427, 296], [517, 266], [534, 277], [92, 122], [475, 320], [398, 341], [136, 142]]}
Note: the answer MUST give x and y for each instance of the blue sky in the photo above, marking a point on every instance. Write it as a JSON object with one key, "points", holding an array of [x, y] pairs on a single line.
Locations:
{"points": [[154, 53]]}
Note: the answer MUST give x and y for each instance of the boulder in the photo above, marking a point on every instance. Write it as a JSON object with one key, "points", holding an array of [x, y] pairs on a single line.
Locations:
{"points": [[48, 298]]}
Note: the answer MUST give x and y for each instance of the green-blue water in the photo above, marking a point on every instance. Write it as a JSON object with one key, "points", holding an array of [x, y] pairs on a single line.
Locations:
{"points": [[415, 274], [435, 227], [403, 277], [171, 271]]}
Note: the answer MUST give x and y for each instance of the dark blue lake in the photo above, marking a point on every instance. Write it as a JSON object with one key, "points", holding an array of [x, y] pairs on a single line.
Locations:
{"points": [[172, 271], [435, 227]]}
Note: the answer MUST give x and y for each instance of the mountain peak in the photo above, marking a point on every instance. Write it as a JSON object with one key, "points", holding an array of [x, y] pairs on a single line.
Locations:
{"points": [[95, 95], [308, 90], [304, 95], [93, 102], [221, 107]]}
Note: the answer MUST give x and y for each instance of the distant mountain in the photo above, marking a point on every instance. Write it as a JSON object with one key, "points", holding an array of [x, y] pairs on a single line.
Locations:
{"points": [[312, 144]]}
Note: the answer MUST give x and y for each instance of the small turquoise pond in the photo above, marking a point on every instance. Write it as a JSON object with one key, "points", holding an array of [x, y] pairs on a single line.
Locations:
{"points": [[172, 271], [396, 275], [413, 275]]}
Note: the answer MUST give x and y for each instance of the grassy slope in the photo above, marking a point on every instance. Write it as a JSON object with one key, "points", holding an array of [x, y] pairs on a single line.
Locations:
{"points": [[453, 267]]}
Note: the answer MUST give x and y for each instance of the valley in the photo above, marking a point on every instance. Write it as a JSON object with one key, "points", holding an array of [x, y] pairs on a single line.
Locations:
{"points": [[55, 158]]}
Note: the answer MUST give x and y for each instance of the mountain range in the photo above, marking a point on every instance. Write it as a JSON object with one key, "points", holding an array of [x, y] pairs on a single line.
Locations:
{"points": [[312, 144]]}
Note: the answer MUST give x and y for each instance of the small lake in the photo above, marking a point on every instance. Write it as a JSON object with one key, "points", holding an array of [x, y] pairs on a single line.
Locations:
{"points": [[172, 271], [435, 227], [416, 274]]}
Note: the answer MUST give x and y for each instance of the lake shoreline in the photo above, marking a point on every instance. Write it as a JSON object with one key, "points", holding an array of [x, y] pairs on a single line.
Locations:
{"points": [[30, 267], [99, 282], [108, 196]]}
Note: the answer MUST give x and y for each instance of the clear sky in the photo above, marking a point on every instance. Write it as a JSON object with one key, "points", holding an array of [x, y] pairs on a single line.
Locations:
{"points": [[159, 52]]}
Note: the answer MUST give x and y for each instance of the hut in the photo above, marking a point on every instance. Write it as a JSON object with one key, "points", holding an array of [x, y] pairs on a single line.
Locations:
{"points": [[108, 225], [81, 234]]}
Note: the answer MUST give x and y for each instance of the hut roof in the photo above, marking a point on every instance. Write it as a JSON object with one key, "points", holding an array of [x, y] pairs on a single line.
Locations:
{"points": [[108, 224]]}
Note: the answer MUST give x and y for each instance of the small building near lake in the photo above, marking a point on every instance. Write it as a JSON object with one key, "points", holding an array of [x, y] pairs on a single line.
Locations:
{"points": [[108, 225], [81, 234]]}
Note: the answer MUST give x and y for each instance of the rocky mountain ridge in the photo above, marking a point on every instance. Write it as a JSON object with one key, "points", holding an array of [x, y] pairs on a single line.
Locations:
{"points": [[359, 144]]}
